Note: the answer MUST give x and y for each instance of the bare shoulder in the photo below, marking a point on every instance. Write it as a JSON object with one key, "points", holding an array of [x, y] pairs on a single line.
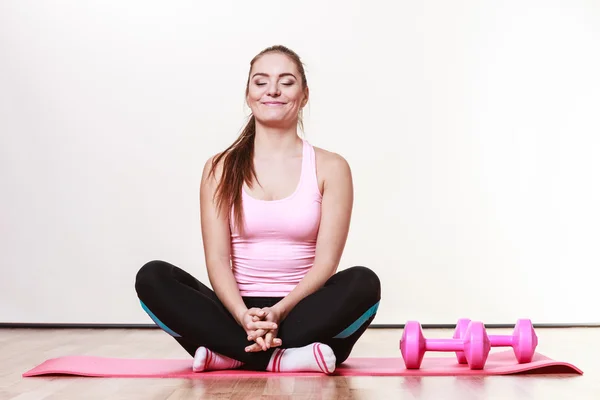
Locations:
{"points": [[332, 169], [331, 163], [208, 171]]}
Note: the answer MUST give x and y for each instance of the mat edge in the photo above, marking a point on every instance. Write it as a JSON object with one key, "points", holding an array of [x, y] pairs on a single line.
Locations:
{"points": [[523, 370]]}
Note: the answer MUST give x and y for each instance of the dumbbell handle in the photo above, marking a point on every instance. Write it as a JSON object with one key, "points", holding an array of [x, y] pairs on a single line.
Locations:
{"points": [[444, 345], [501, 340]]}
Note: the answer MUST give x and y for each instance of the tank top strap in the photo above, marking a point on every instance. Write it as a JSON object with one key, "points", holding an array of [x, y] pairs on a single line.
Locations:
{"points": [[309, 168]]}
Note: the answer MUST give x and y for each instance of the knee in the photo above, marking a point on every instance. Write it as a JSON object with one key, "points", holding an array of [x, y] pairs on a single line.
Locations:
{"points": [[149, 275], [366, 283]]}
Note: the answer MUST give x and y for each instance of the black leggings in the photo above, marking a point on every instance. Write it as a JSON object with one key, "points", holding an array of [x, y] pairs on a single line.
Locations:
{"points": [[336, 315]]}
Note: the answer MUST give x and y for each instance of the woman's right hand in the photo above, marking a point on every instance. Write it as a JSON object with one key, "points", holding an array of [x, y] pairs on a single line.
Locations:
{"points": [[252, 321]]}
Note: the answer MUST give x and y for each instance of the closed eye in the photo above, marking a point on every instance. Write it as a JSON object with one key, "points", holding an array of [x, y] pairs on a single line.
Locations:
{"points": [[283, 83]]}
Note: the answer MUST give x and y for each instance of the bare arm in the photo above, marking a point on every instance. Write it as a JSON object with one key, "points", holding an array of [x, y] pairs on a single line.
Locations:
{"points": [[217, 250], [336, 212]]}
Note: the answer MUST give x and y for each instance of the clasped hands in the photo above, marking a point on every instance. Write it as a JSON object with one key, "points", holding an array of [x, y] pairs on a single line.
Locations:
{"points": [[262, 326]]}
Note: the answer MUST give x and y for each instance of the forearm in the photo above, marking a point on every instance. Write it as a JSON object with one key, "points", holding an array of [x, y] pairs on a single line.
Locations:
{"points": [[225, 287], [314, 279]]}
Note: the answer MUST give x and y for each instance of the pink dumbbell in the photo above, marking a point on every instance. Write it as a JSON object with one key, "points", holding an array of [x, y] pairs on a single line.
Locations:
{"points": [[523, 340], [474, 344]]}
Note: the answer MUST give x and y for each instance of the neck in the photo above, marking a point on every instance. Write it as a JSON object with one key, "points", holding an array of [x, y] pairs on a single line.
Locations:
{"points": [[271, 142]]}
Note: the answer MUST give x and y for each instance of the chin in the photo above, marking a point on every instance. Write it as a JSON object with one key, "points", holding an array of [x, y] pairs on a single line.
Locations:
{"points": [[275, 122]]}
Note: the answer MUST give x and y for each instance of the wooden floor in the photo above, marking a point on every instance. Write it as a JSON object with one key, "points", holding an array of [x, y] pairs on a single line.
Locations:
{"points": [[22, 349]]}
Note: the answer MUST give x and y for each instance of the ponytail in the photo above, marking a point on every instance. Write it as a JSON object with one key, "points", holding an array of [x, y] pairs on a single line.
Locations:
{"points": [[238, 168]]}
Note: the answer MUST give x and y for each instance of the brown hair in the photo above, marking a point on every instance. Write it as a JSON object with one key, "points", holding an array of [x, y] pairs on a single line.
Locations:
{"points": [[238, 167]]}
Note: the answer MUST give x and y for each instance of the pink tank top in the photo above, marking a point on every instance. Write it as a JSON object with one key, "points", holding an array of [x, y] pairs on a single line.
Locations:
{"points": [[278, 245]]}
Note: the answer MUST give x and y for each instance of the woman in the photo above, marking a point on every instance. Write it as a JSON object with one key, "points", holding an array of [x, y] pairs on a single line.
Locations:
{"points": [[275, 214]]}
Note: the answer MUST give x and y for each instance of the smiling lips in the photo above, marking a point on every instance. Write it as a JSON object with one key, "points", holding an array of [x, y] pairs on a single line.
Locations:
{"points": [[273, 103]]}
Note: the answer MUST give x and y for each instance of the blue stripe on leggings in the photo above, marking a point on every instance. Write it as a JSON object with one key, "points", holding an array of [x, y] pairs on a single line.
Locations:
{"points": [[158, 322], [358, 323]]}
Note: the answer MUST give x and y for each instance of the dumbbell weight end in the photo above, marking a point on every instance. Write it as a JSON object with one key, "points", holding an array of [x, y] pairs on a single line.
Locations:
{"points": [[474, 344]]}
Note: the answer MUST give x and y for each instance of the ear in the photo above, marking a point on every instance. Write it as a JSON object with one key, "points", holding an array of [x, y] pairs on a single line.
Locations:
{"points": [[306, 95]]}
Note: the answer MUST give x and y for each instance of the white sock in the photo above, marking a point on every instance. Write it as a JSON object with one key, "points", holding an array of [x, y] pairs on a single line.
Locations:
{"points": [[317, 357], [207, 360]]}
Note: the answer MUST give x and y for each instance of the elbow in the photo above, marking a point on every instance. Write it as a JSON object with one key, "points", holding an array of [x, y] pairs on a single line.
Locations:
{"points": [[326, 268], [217, 267]]}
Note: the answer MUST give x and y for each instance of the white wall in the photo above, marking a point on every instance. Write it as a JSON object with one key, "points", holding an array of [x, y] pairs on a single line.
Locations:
{"points": [[471, 127]]}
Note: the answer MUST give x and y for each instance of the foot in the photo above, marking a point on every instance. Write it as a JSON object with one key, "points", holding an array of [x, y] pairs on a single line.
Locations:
{"points": [[316, 357], [207, 360]]}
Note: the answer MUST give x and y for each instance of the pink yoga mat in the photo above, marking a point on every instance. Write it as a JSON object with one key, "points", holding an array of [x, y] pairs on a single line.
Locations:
{"points": [[499, 363]]}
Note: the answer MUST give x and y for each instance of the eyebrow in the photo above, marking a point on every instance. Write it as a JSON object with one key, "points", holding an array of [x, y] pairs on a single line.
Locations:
{"points": [[280, 75]]}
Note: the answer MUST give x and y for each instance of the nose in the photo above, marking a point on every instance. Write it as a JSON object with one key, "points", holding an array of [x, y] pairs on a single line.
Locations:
{"points": [[273, 89]]}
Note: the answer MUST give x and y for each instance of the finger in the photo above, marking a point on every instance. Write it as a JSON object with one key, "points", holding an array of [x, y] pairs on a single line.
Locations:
{"points": [[256, 333], [253, 348], [261, 342], [275, 341], [267, 325], [253, 326], [268, 339], [256, 312], [267, 312]]}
